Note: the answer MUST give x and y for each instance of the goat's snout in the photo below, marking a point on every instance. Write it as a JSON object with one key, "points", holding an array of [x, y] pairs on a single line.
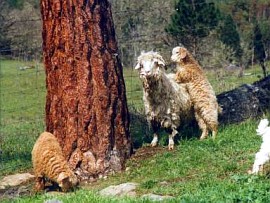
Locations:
{"points": [[145, 73], [174, 58]]}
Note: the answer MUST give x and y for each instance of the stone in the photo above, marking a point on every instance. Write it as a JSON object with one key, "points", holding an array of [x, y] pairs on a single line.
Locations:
{"points": [[53, 201], [125, 189], [156, 198], [15, 180]]}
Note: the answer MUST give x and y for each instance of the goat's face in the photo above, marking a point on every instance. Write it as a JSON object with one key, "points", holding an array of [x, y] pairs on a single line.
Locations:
{"points": [[67, 181], [149, 67], [178, 54]]}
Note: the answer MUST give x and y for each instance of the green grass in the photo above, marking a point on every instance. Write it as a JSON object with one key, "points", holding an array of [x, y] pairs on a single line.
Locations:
{"points": [[196, 171], [22, 97]]}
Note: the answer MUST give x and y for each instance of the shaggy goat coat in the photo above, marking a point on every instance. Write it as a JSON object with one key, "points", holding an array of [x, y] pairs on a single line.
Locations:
{"points": [[166, 103], [201, 92], [49, 162], [263, 156]]}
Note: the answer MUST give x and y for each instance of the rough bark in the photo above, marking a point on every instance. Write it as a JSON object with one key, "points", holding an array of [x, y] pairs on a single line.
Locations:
{"points": [[244, 102], [86, 106], [263, 68]]}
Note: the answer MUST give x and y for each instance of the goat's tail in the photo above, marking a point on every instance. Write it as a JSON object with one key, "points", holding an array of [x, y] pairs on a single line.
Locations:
{"points": [[220, 109]]}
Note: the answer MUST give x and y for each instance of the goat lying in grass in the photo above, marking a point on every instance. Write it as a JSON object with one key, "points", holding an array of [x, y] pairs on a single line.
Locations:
{"points": [[263, 156], [166, 103]]}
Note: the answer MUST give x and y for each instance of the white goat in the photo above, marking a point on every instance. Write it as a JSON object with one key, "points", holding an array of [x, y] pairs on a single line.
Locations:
{"points": [[263, 156], [166, 102]]}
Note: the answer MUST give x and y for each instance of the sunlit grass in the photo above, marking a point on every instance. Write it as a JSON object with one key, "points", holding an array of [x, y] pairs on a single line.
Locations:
{"points": [[196, 171]]}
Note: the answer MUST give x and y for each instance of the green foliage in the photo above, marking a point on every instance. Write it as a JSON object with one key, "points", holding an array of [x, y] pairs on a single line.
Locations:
{"points": [[191, 21], [265, 31], [129, 26], [230, 36], [259, 51], [258, 45], [17, 4], [221, 56]]}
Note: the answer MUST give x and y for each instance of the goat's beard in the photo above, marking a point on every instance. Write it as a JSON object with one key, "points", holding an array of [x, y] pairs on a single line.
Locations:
{"points": [[149, 81], [145, 84]]}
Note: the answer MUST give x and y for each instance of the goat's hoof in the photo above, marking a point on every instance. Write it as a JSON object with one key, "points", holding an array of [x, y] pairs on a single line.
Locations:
{"points": [[153, 144], [170, 147], [203, 137]]}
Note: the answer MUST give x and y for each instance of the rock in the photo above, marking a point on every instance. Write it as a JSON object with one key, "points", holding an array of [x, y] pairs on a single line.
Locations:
{"points": [[15, 180], [154, 197], [53, 201], [125, 189], [245, 102], [55, 193]]}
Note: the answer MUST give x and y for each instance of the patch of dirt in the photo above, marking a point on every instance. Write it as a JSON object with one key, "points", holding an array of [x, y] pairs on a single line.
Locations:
{"points": [[26, 189], [17, 191], [146, 152]]}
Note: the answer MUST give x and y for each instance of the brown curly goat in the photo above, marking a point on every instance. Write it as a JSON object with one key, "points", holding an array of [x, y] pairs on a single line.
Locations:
{"points": [[200, 90], [49, 163]]}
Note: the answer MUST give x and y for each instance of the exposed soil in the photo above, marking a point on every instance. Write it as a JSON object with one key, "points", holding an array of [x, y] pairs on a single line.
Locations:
{"points": [[146, 152], [17, 191]]}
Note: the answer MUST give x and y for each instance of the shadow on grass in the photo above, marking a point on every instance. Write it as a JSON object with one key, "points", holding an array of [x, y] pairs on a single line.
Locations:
{"points": [[142, 133]]}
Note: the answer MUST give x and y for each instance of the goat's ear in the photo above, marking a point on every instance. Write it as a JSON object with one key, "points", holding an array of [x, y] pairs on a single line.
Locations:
{"points": [[61, 177], [183, 53], [160, 62], [137, 66]]}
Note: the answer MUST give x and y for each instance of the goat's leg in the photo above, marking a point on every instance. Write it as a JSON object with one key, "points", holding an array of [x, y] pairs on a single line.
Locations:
{"points": [[155, 140], [210, 118], [171, 136], [40, 183], [214, 131], [260, 160], [202, 126], [155, 127]]}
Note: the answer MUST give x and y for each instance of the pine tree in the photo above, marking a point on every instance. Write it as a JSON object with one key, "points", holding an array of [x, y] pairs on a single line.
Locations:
{"points": [[191, 21], [230, 36], [259, 51], [86, 106]]}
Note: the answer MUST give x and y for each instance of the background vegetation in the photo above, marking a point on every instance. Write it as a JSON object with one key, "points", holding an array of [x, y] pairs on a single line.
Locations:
{"points": [[153, 25]]}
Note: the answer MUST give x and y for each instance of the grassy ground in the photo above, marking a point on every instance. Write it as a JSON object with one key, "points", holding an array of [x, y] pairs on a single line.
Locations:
{"points": [[196, 171], [22, 96]]}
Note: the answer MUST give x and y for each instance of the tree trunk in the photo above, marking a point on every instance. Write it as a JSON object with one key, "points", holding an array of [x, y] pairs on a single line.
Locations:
{"points": [[263, 68], [86, 106], [244, 102]]}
